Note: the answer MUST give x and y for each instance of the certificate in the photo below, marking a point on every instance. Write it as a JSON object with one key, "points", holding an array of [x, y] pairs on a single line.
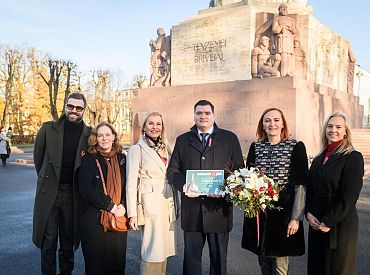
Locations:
{"points": [[204, 182]]}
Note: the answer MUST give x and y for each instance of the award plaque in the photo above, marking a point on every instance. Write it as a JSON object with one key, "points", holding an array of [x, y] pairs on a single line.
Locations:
{"points": [[204, 182]]}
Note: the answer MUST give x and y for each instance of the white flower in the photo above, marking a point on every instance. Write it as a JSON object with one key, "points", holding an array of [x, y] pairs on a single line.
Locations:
{"points": [[262, 200], [244, 172], [275, 197], [263, 206]]}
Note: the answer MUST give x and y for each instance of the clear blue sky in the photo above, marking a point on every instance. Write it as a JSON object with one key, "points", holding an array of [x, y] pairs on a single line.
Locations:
{"points": [[115, 33]]}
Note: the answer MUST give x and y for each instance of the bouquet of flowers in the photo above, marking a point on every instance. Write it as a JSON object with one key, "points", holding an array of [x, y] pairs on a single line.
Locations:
{"points": [[251, 189]]}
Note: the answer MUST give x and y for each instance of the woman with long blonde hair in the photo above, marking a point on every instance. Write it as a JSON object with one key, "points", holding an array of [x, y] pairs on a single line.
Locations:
{"points": [[147, 162], [335, 182]]}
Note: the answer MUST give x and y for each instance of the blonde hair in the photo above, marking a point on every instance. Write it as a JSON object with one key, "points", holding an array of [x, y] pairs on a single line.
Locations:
{"points": [[346, 146], [93, 141], [146, 117]]}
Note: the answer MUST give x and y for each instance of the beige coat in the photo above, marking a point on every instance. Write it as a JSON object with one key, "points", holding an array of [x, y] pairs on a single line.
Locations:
{"points": [[158, 233]]}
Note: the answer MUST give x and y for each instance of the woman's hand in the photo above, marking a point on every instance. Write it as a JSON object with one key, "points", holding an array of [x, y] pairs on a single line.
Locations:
{"points": [[121, 211], [324, 228], [133, 223], [314, 223], [292, 227]]}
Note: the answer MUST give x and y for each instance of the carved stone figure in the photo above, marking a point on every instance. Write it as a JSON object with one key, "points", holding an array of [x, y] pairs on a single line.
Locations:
{"points": [[284, 28], [351, 70], [215, 3], [158, 60], [300, 59], [263, 63]]}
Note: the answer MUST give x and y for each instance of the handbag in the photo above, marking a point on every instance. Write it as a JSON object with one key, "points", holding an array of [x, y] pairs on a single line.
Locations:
{"points": [[139, 206], [110, 221]]}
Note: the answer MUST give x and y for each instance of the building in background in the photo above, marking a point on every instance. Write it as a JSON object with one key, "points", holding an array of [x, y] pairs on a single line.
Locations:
{"points": [[361, 88]]}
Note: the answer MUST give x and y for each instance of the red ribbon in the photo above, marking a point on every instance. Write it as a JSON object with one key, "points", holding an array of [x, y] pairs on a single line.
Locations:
{"points": [[258, 229]]}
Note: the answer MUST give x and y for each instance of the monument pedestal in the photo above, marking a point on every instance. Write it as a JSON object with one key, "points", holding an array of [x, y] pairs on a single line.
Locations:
{"points": [[239, 105]]}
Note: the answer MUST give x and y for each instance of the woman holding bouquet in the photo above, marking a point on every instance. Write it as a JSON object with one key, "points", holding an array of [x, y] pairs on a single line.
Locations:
{"points": [[276, 234], [335, 182]]}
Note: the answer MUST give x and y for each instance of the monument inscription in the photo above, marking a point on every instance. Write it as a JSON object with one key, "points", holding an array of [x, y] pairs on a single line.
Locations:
{"points": [[209, 51]]}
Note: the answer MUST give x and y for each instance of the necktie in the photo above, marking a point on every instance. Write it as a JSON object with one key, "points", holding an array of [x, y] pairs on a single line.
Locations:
{"points": [[204, 139]]}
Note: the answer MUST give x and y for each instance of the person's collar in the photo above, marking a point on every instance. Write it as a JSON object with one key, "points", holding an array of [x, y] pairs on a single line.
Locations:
{"points": [[210, 131]]}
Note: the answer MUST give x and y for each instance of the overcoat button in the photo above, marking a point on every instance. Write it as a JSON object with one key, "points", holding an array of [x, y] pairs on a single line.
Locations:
{"points": [[203, 158]]}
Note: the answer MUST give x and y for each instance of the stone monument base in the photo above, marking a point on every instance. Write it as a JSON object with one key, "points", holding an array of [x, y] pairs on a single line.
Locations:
{"points": [[239, 105]]}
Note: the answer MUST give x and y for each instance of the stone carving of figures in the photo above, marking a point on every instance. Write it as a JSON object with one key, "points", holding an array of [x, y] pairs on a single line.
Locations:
{"points": [[215, 3], [300, 59], [351, 70], [158, 63], [284, 28], [263, 63], [165, 79]]}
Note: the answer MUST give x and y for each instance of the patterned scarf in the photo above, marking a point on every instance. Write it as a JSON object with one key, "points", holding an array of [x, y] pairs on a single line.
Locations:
{"points": [[158, 146]]}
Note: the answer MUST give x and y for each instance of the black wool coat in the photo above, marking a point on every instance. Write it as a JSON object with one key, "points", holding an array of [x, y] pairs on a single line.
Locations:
{"points": [[103, 251], [273, 224], [223, 152], [332, 193]]}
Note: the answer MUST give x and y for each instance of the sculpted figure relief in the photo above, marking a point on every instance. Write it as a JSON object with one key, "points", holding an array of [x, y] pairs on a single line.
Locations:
{"points": [[351, 70], [263, 63], [215, 3], [284, 28], [300, 59], [160, 59]]}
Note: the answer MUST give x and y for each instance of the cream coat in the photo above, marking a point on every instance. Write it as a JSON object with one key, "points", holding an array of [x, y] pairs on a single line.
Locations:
{"points": [[158, 233]]}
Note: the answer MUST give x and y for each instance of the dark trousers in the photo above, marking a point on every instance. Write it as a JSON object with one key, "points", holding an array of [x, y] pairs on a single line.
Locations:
{"points": [[194, 243], [60, 222]]}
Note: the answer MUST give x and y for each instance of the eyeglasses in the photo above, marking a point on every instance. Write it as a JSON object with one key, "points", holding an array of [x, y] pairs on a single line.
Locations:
{"points": [[70, 107]]}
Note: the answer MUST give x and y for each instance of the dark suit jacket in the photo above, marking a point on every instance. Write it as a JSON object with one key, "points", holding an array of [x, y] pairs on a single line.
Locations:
{"points": [[223, 152]]}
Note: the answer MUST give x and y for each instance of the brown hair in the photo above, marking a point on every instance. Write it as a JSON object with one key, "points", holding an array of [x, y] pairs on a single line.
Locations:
{"points": [[93, 141], [346, 146], [146, 117], [261, 134]]}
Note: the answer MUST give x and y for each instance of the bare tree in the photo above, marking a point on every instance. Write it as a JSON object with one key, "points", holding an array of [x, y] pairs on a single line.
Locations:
{"points": [[12, 58]]}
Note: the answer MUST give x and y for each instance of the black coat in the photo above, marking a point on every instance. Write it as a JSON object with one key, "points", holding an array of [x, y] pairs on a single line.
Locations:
{"points": [[332, 193], [223, 152], [48, 158], [273, 224], [103, 251]]}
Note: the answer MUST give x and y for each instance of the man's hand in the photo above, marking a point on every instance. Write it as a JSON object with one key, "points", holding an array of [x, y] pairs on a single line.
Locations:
{"points": [[190, 192]]}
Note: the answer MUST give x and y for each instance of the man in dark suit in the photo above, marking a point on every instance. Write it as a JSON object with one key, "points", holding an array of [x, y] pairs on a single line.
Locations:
{"points": [[204, 218], [57, 155]]}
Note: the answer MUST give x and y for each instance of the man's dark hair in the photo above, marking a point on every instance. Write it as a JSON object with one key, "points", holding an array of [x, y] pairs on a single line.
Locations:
{"points": [[204, 102], [78, 96]]}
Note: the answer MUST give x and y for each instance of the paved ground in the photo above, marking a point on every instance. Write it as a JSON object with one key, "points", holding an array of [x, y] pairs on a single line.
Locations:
{"points": [[19, 256]]}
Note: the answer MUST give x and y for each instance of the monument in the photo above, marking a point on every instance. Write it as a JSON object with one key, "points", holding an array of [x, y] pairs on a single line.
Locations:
{"points": [[247, 56]]}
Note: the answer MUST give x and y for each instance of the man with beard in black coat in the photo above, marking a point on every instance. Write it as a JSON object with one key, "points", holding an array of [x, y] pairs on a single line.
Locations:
{"points": [[204, 147]]}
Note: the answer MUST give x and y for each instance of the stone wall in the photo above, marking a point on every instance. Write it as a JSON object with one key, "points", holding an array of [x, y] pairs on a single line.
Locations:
{"points": [[239, 105]]}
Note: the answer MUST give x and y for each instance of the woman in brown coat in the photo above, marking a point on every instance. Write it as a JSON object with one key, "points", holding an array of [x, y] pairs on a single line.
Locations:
{"points": [[335, 182]]}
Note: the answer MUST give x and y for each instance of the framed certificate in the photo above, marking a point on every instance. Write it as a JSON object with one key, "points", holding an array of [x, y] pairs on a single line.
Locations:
{"points": [[204, 182]]}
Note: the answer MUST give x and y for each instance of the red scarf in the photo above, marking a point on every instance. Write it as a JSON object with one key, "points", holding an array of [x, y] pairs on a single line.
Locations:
{"points": [[331, 148]]}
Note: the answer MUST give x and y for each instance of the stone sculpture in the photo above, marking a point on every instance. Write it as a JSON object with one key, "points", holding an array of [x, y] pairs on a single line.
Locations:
{"points": [[351, 70], [300, 59], [284, 28], [263, 63], [160, 59]]}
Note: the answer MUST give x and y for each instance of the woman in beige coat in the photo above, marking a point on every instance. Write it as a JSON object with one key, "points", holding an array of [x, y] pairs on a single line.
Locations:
{"points": [[146, 172]]}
